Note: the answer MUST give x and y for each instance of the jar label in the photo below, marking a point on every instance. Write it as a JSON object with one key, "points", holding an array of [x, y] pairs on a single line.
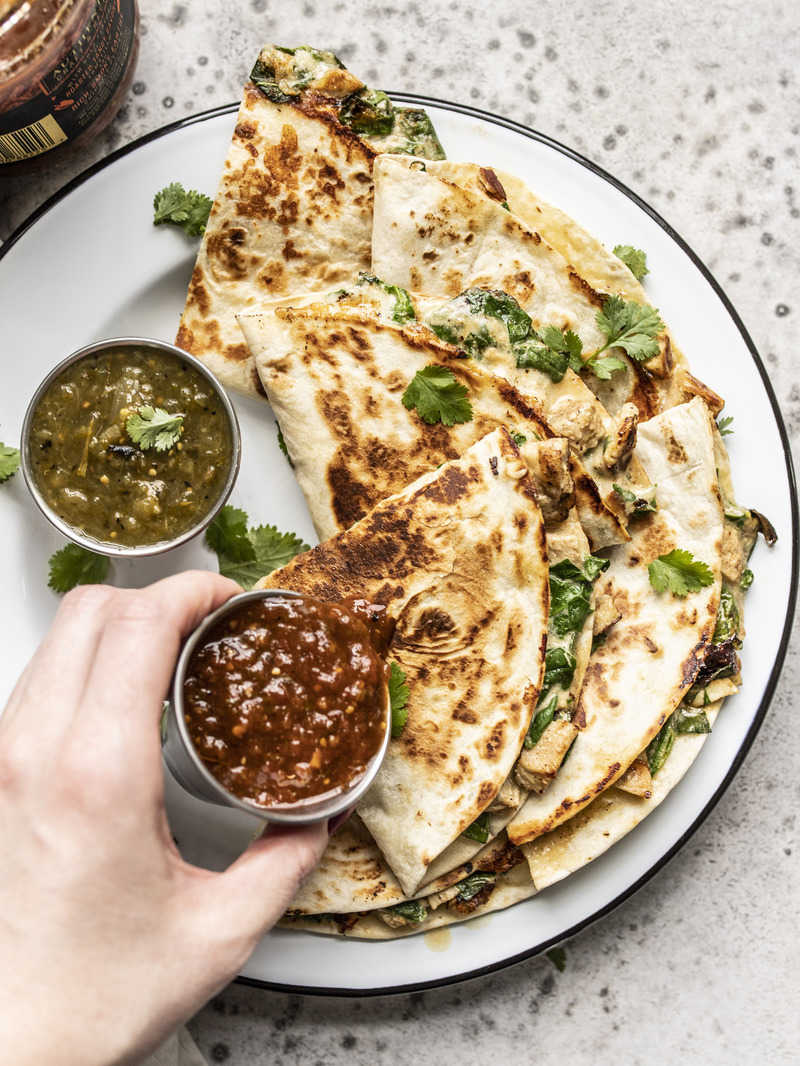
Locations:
{"points": [[77, 90]]}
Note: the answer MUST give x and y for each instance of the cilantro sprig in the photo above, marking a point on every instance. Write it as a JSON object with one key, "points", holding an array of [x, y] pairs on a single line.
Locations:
{"points": [[723, 425], [153, 427], [246, 555], [187, 209], [553, 351], [398, 699], [629, 325], [9, 462], [73, 565], [633, 258], [680, 573], [438, 397]]}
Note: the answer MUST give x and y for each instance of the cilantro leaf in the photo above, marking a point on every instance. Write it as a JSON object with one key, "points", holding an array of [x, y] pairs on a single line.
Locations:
{"points": [[73, 565], [247, 555], [723, 424], [518, 438], [553, 352], [746, 579], [187, 209], [479, 830], [691, 720], [680, 573], [398, 699], [629, 325], [660, 746], [9, 462], [635, 505], [633, 258], [558, 957], [438, 397], [494, 303], [603, 366], [153, 427], [227, 535]]}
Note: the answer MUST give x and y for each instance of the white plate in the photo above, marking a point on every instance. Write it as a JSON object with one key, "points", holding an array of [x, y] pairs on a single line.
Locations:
{"points": [[90, 264]]}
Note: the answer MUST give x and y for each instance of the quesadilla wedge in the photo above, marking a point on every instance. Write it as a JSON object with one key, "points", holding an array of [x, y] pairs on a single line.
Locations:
{"points": [[431, 235], [674, 383], [338, 382], [612, 815], [293, 209], [651, 655], [458, 559]]}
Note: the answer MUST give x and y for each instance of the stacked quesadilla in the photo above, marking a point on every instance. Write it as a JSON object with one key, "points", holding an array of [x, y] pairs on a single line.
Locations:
{"points": [[503, 448]]}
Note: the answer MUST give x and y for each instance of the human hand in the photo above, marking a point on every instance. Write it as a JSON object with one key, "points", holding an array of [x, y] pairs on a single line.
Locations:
{"points": [[109, 940]]}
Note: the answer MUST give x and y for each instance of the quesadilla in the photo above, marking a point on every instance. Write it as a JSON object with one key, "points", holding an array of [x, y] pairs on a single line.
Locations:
{"points": [[458, 559], [612, 815], [654, 649], [338, 381], [293, 209]]}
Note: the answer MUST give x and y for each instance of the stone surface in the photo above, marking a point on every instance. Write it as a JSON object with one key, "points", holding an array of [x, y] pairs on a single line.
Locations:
{"points": [[697, 108]]}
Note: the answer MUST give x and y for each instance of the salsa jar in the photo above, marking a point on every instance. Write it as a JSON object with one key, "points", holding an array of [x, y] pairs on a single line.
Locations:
{"points": [[65, 66]]}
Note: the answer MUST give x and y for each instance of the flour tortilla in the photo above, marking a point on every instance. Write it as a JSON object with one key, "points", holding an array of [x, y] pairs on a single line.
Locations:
{"points": [[651, 656], [434, 236], [335, 378], [293, 211], [512, 887], [459, 560], [608, 818]]}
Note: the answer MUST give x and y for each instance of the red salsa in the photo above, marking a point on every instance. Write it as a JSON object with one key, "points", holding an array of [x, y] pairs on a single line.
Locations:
{"points": [[285, 699]]}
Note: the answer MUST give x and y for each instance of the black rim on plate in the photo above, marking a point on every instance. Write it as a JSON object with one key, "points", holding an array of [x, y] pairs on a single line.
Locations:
{"points": [[516, 127]]}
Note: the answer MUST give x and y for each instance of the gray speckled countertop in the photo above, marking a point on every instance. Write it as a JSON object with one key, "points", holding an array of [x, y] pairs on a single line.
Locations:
{"points": [[697, 108]]}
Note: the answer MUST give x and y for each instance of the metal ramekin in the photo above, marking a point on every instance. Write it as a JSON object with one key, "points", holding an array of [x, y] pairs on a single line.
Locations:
{"points": [[103, 547], [193, 775]]}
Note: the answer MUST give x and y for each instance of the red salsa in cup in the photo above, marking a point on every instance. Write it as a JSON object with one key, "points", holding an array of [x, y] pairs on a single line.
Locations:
{"points": [[285, 699]]}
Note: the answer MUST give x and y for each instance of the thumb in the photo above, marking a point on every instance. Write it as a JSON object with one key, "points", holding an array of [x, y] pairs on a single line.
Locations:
{"points": [[255, 890]]}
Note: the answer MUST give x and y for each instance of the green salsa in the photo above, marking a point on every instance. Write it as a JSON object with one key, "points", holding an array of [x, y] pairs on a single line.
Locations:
{"points": [[91, 472]]}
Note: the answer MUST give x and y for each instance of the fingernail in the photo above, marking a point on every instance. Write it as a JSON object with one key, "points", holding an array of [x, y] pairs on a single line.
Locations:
{"points": [[338, 819]]}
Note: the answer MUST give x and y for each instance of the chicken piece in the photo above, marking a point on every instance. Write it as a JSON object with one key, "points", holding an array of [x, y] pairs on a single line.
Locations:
{"points": [[606, 615], [637, 780], [509, 796], [438, 898], [578, 420], [622, 438], [548, 465], [537, 766]]}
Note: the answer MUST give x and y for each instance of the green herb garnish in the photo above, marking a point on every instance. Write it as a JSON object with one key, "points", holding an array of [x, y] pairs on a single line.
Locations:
{"points": [[746, 579], [552, 351], [723, 426], [679, 573], [571, 592], [633, 258], [518, 438], [189, 210], [73, 565], [398, 699], [153, 427], [479, 830], [632, 326], [438, 397], [247, 555], [9, 462]]}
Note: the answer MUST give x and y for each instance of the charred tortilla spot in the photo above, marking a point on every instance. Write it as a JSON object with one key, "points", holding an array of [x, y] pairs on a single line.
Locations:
{"points": [[237, 353], [198, 293], [245, 130], [449, 487], [583, 287]]}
